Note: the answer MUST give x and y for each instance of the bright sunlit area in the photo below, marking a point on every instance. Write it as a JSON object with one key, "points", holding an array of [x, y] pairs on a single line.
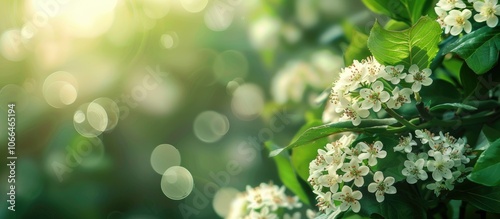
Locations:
{"points": [[249, 109]]}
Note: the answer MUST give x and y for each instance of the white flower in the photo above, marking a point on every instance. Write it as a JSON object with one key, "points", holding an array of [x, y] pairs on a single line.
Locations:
{"points": [[399, 97], [426, 137], [330, 180], [418, 78], [354, 171], [394, 74], [351, 77], [263, 214], [380, 186], [441, 15], [459, 20], [373, 98], [488, 11], [325, 201], [450, 4], [440, 166], [414, 171], [405, 144], [349, 199], [354, 113], [373, 69], [296, 215], [441, 185], [372, 152]]}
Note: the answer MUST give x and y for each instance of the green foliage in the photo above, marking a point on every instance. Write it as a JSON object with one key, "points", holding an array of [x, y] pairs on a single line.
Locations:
{"points": [[483, 197], [416, 45], [487, 168], [406, 203], [390, 164], [287, 173], [408, 11], [302, 156], [314, 134], [357, 49], [479, 49], [453, 106]]}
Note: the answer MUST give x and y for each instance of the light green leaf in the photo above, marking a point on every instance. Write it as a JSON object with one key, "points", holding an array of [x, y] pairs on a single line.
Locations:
{"points": [[487, 168], [408, 11], [453, 106], [357, 49], [479, 49], [483, 197], [315, 134], [416, 45], [287, 173]]}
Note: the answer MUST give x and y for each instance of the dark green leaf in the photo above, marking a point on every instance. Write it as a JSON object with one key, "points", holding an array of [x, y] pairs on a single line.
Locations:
{"points": [[357, 49], [483, 197], [287, 173], [453, 106], [468, 79], [391, 164], [434, 95], [417, 45], [487, 168], [302, 156], [315, 134], [406, 203], [478, 48]]}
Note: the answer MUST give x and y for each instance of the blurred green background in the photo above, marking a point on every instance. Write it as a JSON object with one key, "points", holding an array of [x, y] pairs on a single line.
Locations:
{"points": [[101, 87]]}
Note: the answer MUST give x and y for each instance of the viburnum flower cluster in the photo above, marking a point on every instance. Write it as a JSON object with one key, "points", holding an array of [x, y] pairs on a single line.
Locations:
{"points": [[440, 157], [369, 85], [339, 171], [264, 201], [454, 15]]}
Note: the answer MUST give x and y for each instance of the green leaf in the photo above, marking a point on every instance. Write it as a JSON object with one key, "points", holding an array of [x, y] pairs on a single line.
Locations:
{"points": [[287, 173], [391, 164], [416, 45], [448, 106], [406, 203], [302, 156], [357, 49], [487, 168], [479, 49], [483, 197], [468, 79], [434, 95], [315, 134], [416, 8]]}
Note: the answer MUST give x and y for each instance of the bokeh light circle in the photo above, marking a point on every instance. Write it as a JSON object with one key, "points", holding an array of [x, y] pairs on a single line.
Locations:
{"points": [[210, 126], [60, 89], [248, 101], [215, 19], [177, 183], [11, 45], [88, 122], [194, 6], [111, 109], [163, 157], [169, 40], [222, 199]]}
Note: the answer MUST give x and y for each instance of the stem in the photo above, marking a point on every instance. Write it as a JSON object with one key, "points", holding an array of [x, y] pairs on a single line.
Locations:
{"points": [[424, 113], [400, 118]]}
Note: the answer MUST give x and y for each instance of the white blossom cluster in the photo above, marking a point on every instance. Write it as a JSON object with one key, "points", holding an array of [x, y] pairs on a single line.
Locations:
{"points": [[264, 202], [339, 170], [369, 85], [454, 15], [443, 156]]}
